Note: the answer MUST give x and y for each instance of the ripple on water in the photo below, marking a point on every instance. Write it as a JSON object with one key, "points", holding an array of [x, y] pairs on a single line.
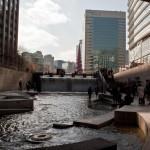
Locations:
{"points": [[58, 108]]}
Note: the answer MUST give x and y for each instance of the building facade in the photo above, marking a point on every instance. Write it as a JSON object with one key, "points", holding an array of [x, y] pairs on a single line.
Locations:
{"points": [[48, 64], [38, 61], [127, 58], [139, 31], [58, 64], [105, 40], [9, 14], [34, 61], [69, 67]]}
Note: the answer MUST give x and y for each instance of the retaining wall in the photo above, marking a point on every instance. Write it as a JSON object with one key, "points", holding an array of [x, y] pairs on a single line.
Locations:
{"points": [[67, 84], [10, 78]]}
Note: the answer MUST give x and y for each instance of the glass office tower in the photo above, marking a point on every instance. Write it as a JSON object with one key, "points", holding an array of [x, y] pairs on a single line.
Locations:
{"points": [[105, 40], [139, 31]]}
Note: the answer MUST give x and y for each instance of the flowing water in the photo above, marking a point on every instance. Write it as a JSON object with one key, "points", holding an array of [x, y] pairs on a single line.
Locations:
{"points": [[59, 108]]}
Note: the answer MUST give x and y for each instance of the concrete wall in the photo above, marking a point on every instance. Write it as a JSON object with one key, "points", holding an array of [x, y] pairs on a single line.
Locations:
{"points": [[9, 79], [67, 84]]}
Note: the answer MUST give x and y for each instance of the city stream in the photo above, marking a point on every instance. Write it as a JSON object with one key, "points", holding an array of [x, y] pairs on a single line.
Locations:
{"points": [[62, 108]]}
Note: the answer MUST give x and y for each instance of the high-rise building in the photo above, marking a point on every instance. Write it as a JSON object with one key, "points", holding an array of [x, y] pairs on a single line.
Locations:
{"points": [[105, 40], [79, 58], [9, 14], [139, 31]]}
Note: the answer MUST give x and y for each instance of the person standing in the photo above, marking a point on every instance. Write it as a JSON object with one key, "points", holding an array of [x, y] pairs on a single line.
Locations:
{"points": [[96, 92], [20, 85], [90, 92], [140, 91], [147, 91]]}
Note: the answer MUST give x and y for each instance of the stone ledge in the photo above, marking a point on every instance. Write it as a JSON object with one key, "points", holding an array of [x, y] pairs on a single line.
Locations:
{"points": [[135, 116], [12, 111], [12, 103], [94, 144]]}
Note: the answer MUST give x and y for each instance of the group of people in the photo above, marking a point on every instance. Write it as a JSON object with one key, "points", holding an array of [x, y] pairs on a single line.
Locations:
{"points": [[28, 85], [131, 89], [124, 93], [144, 92]]}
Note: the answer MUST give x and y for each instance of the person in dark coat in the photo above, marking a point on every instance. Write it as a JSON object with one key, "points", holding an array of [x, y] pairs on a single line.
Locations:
{"points": [[20, 85], [147, 91], [96, 92], [90, 92]]}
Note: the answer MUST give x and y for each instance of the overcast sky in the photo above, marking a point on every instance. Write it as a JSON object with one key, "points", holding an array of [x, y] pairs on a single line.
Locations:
{"points": [[55, 26]]}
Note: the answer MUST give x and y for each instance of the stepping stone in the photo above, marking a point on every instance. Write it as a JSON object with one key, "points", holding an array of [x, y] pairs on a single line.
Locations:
{"points": [[62, 125], [96, 122]]}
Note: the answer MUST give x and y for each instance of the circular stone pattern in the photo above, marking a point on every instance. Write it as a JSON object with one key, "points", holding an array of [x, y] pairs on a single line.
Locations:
{"points": [[39, 137]]}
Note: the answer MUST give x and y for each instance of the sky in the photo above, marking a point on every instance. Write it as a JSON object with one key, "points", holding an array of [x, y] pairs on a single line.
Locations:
{"points": [[56, 26]]}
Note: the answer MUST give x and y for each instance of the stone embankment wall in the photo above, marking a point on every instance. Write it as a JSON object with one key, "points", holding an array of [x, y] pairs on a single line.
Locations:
{"points": [[67, 84], [9, 79], [142, 71]]}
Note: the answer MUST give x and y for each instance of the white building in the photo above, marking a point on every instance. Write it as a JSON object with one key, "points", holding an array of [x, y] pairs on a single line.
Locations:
{"points": [[69, 67], [139, 31]]}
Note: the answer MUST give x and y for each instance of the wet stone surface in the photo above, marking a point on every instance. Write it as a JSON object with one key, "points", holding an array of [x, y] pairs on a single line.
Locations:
{"points": [[59, 108]]}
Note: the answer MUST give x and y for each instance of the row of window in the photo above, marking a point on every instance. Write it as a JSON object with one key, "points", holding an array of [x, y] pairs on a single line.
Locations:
{"points": [[142, 11], [140, 50], [9, 3]]}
